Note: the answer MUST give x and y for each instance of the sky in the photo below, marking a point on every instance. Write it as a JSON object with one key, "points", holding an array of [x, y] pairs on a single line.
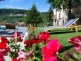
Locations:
{"points": [[41, 5]]}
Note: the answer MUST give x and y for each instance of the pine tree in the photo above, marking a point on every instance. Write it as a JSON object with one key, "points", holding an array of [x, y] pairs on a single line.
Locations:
{"points": [[33, 16]]}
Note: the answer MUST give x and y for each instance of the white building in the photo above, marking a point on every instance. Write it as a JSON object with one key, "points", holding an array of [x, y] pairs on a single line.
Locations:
{"points": [[60, 17]]}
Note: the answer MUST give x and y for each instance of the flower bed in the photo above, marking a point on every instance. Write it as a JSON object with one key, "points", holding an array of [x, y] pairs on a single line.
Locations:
{"points": [[39, 48]]}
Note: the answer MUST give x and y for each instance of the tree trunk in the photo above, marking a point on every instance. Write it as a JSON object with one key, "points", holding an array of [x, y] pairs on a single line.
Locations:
{"points": [[69, 13]]}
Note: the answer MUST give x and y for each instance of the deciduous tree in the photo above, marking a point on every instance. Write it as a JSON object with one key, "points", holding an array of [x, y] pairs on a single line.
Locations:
{"points": [[65, 3], [50, 14]]}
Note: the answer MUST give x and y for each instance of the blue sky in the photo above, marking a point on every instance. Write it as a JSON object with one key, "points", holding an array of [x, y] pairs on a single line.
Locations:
{"points": [[41, 5]]}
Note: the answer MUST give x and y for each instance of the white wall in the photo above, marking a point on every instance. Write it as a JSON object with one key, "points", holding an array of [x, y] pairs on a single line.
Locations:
{"points": [[60, 17]]}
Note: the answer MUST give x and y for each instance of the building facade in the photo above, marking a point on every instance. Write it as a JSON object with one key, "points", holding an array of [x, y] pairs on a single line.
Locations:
{"points": [[60, 17]]}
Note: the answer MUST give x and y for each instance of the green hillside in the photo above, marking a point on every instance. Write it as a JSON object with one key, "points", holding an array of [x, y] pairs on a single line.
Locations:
{"points": [[15, 15]]}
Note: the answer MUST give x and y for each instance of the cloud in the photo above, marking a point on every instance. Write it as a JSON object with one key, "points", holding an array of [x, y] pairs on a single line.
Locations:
{"points": [[16, 7], [11, 4], [8, 6], [12, 1]]}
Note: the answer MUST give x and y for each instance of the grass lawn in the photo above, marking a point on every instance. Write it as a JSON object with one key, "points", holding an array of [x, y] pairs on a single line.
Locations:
{"points": [[62, 35]]}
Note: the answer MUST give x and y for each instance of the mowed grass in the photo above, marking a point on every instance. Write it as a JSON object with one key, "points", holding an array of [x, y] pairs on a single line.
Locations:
{"points": [[62, 35]]}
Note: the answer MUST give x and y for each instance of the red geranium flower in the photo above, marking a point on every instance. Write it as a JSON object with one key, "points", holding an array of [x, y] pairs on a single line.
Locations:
{"points": [[76, 41], [54, 58], [49, 51], [34, 41], [4, 38], [17, 35], [43, 36], [31, 42], [5, 52], [27, 43], [1, 56], [3, 41], [14, 59]]}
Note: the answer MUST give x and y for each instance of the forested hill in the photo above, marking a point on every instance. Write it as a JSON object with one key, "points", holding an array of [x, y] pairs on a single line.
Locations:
{"points": [[12, 11], [16, 11], [8, 15], [5, 11]]}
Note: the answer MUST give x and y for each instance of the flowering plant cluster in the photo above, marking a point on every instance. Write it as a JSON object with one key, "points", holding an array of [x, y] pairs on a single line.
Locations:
{"points": [[16, 44], [74, 53], [40, 48], [18, 49], [3, 48], [76, 41], [48, 48], [42, 37], [36, 44], [13, 49]]}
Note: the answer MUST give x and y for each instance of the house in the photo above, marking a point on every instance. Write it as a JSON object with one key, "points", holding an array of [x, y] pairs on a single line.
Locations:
{"points": [[59, 17]]}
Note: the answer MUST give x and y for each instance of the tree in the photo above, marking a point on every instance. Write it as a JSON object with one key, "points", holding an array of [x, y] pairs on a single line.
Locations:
{"points": [[33, 16], [50, 14], [65, 3]]}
